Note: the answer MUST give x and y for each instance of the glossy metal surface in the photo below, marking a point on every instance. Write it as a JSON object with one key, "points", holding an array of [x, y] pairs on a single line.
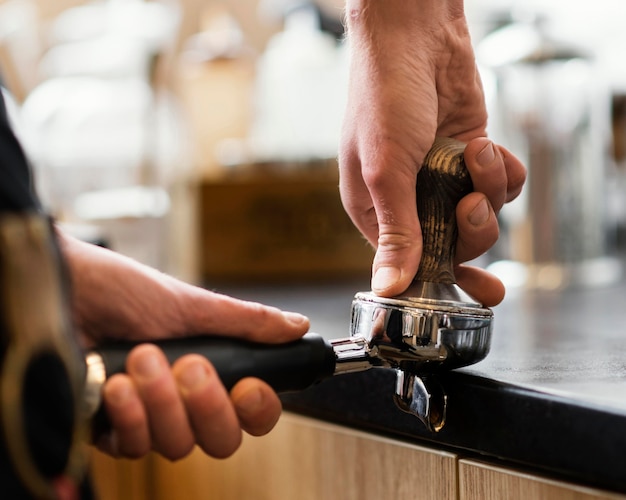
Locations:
{"points": [[432, 327], [423, 334], [423, 397], [354, 355], [95, 379]]}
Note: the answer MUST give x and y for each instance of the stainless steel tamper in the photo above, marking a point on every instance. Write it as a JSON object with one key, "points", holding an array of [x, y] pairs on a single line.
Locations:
{"points": [[433, 326]]}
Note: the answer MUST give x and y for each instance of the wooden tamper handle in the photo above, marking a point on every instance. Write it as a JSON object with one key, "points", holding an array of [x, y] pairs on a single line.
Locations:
{"points": [[441, 183]]}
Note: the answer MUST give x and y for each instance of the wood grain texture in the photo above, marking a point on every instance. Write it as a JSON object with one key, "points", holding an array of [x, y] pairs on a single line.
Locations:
{"points": [[441, 183], [481, 481], [115, 479], [303, 459]]}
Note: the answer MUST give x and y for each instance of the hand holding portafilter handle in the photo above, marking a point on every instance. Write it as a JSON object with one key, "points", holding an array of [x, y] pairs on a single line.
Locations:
{"points": [[285, 367]]}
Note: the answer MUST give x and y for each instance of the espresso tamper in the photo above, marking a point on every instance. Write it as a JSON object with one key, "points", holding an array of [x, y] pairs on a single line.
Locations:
{"points": [[434, 325]]}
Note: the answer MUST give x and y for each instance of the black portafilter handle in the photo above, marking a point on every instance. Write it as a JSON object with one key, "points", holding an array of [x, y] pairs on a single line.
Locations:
{"points": [[285, 367], [441, 183]]}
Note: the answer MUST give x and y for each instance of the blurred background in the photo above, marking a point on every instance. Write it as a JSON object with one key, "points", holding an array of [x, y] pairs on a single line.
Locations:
{"points": [[200, 136]]}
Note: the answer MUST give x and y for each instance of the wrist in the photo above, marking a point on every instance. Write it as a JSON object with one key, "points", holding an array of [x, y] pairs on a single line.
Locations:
{"points": [[367, 15]]}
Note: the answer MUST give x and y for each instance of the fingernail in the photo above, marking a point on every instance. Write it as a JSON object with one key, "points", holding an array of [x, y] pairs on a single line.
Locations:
{"points": [[193, 377], [148, 364], [479, 215], [250, 401], [385, 277], [295, 318], [486, 155]]}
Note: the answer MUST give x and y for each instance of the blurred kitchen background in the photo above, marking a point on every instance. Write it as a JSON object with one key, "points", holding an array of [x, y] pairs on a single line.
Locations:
{"points": [[200, 136]]}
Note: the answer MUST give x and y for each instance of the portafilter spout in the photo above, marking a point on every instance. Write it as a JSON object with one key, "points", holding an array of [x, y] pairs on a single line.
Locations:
{"points": [[434, 325]]}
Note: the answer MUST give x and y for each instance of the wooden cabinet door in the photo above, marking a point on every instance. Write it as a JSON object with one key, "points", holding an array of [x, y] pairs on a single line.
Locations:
{"points": [[482, 481], [304, 459]]}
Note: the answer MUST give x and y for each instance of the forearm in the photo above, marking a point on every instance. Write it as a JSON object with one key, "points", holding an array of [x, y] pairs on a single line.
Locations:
{"points": [[115, 296]]}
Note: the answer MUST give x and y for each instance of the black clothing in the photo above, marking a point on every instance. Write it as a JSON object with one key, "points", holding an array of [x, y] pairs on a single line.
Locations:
{"points": [[15, 182]]}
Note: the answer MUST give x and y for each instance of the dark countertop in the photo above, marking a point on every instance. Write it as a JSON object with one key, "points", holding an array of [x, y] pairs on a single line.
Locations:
{"points": [[550, 397]]}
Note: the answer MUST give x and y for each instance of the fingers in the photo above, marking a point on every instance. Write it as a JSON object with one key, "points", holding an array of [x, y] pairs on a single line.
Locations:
{"points": [[213, 312], [257, 405], [212, 416], [516, 174], [495, 171], [485, 164], [478, 231], [153, 407], [145, 407], [480, 284], [477, 225], [376, 200], [355, 196]]}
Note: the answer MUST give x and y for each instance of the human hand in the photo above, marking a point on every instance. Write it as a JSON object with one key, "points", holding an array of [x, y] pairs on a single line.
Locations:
{"points": [[154, 406], [412, 77]]}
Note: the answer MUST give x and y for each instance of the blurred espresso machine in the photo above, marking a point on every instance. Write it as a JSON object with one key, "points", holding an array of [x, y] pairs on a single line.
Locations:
{"points": [[551, 107]]}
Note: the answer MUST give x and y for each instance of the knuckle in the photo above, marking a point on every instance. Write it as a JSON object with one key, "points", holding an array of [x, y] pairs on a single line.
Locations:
{"points": [[470, 247], [392, 242], [264, 317]]}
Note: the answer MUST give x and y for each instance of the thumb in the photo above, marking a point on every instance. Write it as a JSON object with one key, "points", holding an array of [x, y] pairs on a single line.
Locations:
{"points": [[397, 256]]}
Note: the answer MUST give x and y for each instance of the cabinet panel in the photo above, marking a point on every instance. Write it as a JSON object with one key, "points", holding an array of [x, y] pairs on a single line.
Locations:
{"points": [[481, 481], [119, 479], [303, 459]]}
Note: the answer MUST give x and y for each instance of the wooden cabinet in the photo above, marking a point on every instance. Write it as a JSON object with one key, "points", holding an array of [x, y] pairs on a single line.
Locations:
{"points": [[302, 459], [115, 479], [478, 480], [308, 460], [305, 459]]}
